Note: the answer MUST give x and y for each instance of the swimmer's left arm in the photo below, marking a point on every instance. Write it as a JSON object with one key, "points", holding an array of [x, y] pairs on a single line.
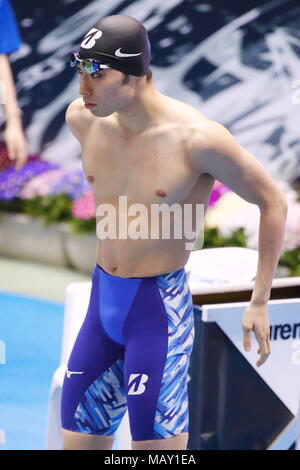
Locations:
{"points": [[215, 151]]}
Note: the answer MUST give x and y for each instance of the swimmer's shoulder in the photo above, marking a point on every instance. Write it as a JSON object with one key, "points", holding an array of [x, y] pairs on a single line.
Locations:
{"points": [[201, 134], [78, 119], [187, 117], [197, 123]]}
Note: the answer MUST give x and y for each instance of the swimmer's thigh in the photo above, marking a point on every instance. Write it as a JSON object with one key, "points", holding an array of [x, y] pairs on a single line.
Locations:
{"points": [[93, 398], [159, 334]]}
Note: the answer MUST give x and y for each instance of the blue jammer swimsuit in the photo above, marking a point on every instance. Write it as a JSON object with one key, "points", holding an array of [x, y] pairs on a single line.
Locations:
{"points": [[132, 351]]}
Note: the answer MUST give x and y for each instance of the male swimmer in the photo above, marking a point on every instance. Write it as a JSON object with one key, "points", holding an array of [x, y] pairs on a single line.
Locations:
{"points": [[132, 351]]}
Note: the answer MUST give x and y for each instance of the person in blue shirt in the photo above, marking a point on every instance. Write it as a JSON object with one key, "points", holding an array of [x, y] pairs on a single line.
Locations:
{"points": [[10, 41]]}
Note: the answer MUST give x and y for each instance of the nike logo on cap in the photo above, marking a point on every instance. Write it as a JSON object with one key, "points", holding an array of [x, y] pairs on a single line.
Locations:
{"points": [[118, 53]]}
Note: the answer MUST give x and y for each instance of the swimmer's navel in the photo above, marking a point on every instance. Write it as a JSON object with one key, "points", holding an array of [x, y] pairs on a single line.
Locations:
{"points": [[160, 192], [90, 179]]}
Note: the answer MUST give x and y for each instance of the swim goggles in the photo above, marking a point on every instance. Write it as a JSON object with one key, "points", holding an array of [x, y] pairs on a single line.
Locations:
{"points": [[88, 65]]}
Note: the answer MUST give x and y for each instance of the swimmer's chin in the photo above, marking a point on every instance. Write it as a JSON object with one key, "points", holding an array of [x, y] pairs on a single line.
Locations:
{"points": [[98, 113]]}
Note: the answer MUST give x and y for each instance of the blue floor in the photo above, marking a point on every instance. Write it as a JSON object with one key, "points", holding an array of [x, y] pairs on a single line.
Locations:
{"points": [[31, 331]]}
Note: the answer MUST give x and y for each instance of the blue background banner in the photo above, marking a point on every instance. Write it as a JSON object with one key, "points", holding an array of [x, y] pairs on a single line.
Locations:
{"points": [[235, 62]]}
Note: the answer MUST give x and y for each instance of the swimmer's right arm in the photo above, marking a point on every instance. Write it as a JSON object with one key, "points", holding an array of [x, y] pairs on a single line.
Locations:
{"points": [[76, 119]]}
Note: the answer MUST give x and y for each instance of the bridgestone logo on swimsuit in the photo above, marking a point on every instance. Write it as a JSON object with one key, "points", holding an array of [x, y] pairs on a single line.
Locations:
{"points": [[183, 227]]}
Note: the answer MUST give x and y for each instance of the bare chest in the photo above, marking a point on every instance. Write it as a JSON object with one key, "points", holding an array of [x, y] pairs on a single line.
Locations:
{"points": [[150, 169]]}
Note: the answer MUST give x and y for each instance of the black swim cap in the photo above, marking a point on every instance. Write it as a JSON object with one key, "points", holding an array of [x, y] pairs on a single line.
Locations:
{"points": [[120, 41]]}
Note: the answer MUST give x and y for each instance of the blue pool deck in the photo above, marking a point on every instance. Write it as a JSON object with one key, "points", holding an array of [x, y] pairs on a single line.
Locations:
{"points": [[31, 324]]}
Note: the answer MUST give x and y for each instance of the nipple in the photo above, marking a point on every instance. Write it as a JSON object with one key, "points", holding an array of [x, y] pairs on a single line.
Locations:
{"points": [[160, 192], [90, 179]]}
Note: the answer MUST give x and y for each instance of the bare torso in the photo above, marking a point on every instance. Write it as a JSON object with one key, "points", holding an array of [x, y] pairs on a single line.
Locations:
{"points": [[151, 168]]}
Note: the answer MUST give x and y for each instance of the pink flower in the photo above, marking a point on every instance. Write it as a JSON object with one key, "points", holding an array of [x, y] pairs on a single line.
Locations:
{"points": [[218, 190], [41, 185], [84, 207]]}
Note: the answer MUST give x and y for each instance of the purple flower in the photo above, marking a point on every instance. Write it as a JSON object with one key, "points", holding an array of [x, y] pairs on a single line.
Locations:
{"points": [[12, 181], [41, 185], [218, 190], [74, 184]]}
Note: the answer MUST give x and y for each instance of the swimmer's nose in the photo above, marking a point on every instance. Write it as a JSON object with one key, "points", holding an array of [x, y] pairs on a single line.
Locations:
{"points": [[84, 88]]}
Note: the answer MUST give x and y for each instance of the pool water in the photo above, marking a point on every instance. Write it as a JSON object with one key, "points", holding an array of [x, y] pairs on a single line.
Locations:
{"points": [[30, 345]]}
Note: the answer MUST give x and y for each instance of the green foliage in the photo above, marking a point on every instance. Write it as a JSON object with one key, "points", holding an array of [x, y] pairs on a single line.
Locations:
{"points": [[291, 259], [83, 226], [15, 205], [213, 238], [49, 209]]}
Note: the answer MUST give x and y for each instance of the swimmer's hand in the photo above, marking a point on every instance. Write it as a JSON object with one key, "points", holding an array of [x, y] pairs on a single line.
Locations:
{"points": [[256, 318], [16, 144]]}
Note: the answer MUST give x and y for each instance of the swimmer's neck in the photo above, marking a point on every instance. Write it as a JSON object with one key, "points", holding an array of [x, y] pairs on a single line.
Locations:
{"points": [[144, 110]]}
